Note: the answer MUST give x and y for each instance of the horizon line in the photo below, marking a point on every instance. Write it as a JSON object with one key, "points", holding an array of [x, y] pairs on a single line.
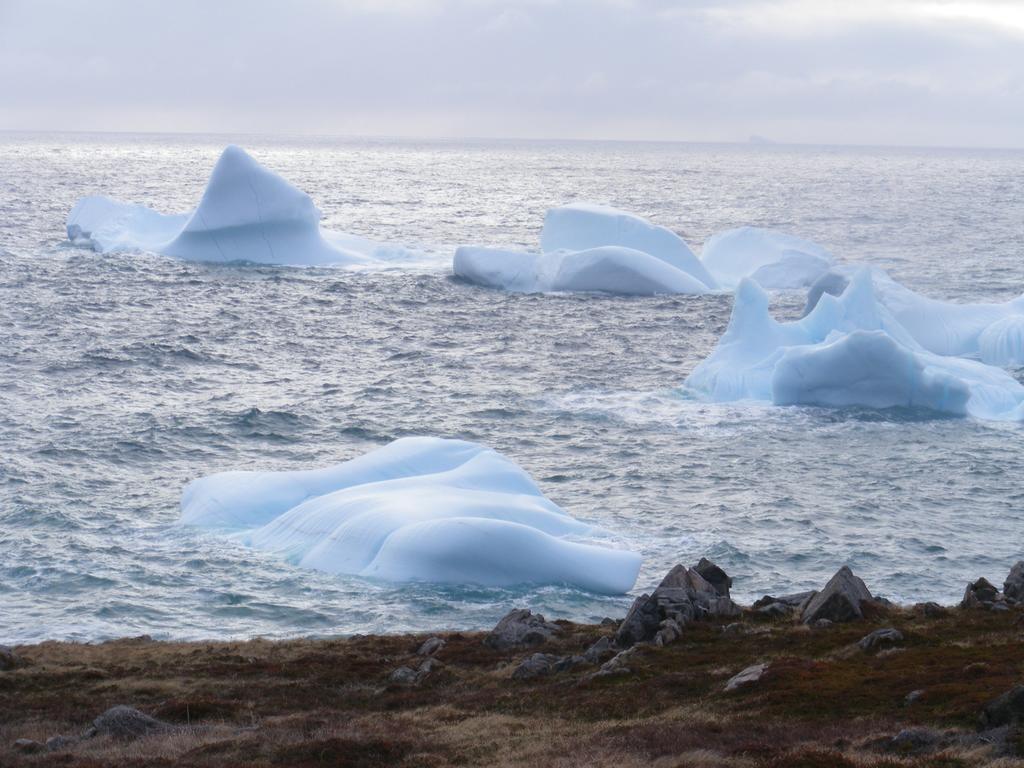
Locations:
{"points": [[753, 141]]}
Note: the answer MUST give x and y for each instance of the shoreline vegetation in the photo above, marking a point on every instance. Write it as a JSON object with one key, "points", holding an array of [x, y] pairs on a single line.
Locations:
{"points": [[829, 679]]}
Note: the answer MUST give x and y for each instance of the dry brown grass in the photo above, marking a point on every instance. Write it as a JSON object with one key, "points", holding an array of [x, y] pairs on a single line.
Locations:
{"points": [[327, 702]]}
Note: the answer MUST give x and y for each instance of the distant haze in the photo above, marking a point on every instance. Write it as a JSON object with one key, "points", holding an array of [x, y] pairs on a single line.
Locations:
{"points": [[917, 72]]}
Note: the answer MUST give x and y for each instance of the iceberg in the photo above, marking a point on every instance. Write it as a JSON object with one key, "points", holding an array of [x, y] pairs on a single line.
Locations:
{"points": [[608, 269], [772, 259], [991, 332], [587, 247], [418, 509], [585, 226], [848, 350], [247, 213]]}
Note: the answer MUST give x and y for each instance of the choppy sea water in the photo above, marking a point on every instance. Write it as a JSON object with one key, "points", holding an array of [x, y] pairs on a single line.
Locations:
{"points": [[124, 376]]}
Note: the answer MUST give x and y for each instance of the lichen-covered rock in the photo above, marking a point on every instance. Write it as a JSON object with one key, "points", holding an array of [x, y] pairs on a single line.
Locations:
{"points": [[880, 637], [980, 594], [9, 659], [714, 576], [683, 596], [1013, 587], [537, 665], [842, 599], [1006, 709], [28, 746], [520, 628], [430, 646], [914, 741], [403, 676], [748, 676], [125, 723]]}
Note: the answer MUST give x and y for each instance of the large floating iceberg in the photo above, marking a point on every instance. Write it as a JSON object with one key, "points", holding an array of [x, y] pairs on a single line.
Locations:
{"points": [[991, 332], [418, 509], [247, 213], [591, 248], [848, 350], [771, 259], [587, 247]]}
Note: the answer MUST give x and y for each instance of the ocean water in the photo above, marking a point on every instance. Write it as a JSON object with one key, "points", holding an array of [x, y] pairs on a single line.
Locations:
{"points": [[123, 376]]}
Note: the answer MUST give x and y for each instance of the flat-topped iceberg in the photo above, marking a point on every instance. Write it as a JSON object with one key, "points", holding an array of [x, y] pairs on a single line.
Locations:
{"points": [[247, 213], [992, 332], [418, 509], [772, 259], [848, 350], [587, 247]]}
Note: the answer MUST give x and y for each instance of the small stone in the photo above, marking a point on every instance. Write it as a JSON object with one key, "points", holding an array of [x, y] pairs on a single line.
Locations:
{"points": [[748, 676], [880, 637], [9, 659], [607, 621], [518, 628], [776, 610], [123, 722], [932, 610], [599, 651], [736, 628], [820, 624], [913, 697], [537, 665], [618, 664], [431, 646], [57, 743], [403, 676], [913, 741], [28, 746]]}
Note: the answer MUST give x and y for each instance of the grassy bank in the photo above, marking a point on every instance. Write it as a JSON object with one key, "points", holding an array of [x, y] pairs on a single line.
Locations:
{"points": [[823, 701]]}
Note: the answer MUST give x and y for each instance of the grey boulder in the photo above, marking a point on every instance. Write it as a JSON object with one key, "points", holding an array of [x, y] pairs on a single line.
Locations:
{"points": [[842, 599], [519, 628], [880, 637], [1013, 587], [126, 723]]}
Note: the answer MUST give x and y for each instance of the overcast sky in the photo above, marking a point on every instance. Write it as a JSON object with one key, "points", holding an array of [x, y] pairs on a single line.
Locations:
{"points": [[919, 72]]}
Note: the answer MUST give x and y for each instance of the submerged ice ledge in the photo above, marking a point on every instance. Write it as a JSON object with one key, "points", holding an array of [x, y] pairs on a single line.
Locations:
{"points": [[418, 509], [247, 213]]}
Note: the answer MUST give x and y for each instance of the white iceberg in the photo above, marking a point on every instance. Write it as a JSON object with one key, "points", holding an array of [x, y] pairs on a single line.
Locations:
{"points": [[418, 509], [849, 350], [247, 213], [772, 259], [991, 332], [609, 269], [586, 248]]}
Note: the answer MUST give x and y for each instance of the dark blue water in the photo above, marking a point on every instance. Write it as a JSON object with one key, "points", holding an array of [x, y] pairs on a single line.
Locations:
{"points": [[123, 376]]}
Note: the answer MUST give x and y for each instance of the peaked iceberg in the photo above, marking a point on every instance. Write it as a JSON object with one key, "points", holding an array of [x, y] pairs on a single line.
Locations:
{"points": [[418, 509], [587, 247], [993, 332], [247, 213], [849, 350], [772, 259]]}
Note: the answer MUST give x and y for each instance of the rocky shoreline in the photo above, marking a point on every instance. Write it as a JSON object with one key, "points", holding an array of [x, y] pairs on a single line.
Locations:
{"points": [[833, 677]]}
